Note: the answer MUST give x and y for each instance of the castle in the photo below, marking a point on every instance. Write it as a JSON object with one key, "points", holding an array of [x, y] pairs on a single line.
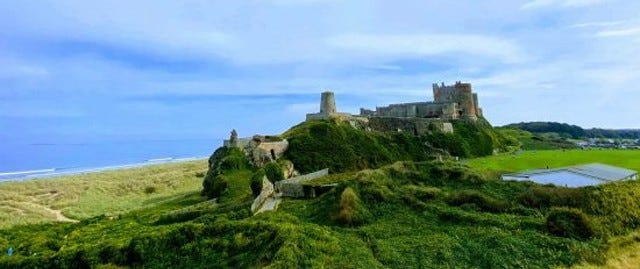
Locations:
{"points": [[451, 102]]}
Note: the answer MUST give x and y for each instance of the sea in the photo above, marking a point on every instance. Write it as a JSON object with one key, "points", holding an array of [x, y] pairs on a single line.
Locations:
{"points": [[21, 161]]}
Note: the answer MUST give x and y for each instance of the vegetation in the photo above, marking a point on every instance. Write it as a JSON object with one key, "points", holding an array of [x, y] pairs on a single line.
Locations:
{"points": [[573, 131], [316, 145], [536, 141], [351, 211], [570, 222], [256, 182], [416, 225], [93, 194], [417, 212], [274, 172], [222, 160], [516, 162]]}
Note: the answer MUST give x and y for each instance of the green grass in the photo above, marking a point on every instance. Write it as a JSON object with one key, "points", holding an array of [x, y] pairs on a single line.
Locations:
{"points": [[422, 215], [509, 163], [531, 141], [92, 194], [425, 214]]}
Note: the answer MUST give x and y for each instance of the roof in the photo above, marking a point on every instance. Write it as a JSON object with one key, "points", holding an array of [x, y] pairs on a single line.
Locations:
{"points": [[597, 171]]}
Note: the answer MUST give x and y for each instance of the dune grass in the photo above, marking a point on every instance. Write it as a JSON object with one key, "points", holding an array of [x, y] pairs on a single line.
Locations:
{"points": [[509, 163], [623, 252], [86, 195]]}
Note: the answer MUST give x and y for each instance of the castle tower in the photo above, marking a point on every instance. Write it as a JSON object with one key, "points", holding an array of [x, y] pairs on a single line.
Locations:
{"points": [[327, 103]]}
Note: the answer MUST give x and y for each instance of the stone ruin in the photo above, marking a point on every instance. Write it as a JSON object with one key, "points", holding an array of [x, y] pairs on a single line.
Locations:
{"points": [[451, 102], [259, 149]]}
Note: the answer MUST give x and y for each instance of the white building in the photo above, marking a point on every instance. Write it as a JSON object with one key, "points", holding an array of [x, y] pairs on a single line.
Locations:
{"points": [[575, 176]]}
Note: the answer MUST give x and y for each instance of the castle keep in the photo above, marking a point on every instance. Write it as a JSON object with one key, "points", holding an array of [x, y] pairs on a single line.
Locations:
{"points": [[450, 102]]}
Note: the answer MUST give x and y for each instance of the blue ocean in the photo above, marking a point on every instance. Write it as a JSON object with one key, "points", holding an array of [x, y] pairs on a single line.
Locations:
{"points": [[19, 161]]}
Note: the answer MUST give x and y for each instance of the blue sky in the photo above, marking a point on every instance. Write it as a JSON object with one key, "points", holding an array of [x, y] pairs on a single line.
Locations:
{"points": [[79, 70]]}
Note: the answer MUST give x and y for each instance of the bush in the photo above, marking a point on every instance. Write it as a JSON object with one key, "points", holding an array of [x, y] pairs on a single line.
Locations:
{"points": [[274, 172], [351, 211], [219, 186], [149, 189], [256, 182], [543, 197], [570, 223], [481, 200], [223, 160]]}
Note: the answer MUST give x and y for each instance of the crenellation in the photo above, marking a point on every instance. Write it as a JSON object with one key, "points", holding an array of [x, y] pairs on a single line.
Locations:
{"points": [[450, 102]]}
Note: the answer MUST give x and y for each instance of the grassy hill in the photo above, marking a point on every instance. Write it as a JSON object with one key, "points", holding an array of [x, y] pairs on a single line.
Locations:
{"points": [[384, 213], [419, 214], [536, 141]]}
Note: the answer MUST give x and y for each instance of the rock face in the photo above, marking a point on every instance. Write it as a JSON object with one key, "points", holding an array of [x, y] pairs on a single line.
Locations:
{"points": [[266, 194], [294, 187]]}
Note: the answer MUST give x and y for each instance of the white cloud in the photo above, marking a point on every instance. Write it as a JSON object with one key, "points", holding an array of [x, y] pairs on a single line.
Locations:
{"points": [[619, 32], [418, 45], [385, 67], [596, 24], [301, 2], [303, 108], [559, 3]]}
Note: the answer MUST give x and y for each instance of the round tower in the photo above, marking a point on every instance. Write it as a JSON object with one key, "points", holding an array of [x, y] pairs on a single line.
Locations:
{"points": [[327, 103]]}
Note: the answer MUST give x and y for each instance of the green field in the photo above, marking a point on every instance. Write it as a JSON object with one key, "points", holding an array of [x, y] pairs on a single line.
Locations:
{"points": [[516, 162], [77, 197]]}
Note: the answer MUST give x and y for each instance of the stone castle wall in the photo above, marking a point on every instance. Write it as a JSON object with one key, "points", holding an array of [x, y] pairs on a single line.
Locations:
{"points": [[417, 126], [450, 102]]}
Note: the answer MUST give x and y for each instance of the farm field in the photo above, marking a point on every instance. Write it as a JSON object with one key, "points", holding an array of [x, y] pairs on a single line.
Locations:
{"points": [[510, 163]]}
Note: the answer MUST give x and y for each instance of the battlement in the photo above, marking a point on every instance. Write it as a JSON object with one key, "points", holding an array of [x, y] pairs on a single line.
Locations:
{"points": [[450, 102]]}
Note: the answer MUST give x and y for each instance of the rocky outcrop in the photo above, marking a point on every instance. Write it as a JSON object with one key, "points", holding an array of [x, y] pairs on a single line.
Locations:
{"points": [[268, 192], [294, 187]]}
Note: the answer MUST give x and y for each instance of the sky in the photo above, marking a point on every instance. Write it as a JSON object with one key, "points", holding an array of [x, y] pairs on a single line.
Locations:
{"points": [[90, 70]]}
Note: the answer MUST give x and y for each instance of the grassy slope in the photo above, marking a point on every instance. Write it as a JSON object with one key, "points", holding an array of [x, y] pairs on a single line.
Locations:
{"points": [[412, 225], [92, 194], [530, 141], [623, 250]]}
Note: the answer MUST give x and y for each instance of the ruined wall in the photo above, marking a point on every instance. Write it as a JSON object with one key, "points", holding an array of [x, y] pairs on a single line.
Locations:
{"points": [[416, 126], [294, 187], [266, 193]]}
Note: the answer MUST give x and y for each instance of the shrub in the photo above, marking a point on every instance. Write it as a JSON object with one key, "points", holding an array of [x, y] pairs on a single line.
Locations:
{"points": [[274, 172], [219, 186], [149, 189], [221, 161], [256, 182], [570, 222], [543, 197], [483, 201], [420, 193], [351, 211]]}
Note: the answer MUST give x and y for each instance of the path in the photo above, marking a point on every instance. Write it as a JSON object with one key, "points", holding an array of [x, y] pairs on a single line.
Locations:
{"points": [[58, 213]]}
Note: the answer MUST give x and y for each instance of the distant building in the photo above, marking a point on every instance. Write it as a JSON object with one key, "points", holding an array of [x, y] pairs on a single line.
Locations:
{"points": [[327, 108], [450, 102], [575, 176]]}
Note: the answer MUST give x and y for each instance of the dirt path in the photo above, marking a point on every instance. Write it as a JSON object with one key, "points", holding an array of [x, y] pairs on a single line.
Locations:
{"points": [[57, 213], [59, 216]]}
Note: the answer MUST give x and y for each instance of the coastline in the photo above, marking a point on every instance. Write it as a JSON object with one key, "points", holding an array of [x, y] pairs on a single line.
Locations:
{"points": [[14, 176]]}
